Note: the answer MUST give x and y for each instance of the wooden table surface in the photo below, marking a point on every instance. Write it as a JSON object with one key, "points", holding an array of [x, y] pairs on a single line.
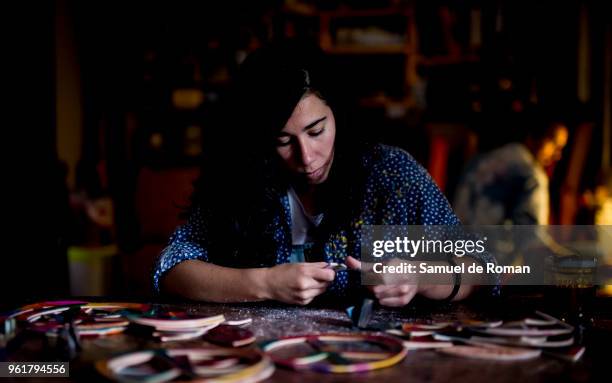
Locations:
{"points": [[271, 321]]}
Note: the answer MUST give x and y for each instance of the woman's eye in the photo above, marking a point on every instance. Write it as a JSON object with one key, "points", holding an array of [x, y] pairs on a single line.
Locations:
{"points": [[315, 133], [283, 141]]}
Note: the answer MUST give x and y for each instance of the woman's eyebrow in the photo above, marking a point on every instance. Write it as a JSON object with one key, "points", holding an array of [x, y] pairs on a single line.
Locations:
{"points": [[312, 124], [309, 126]]}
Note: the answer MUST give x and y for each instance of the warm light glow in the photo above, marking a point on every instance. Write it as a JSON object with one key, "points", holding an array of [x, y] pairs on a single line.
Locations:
{"points": [[187, 98], [604, 215], [606, 291]]}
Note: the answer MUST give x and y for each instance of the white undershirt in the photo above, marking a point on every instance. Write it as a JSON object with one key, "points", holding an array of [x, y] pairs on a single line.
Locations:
{"points": [[301, 222]]}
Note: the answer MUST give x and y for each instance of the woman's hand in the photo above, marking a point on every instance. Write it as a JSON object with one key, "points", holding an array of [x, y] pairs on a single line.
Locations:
{"points": [[298, 283], [393, 293]]}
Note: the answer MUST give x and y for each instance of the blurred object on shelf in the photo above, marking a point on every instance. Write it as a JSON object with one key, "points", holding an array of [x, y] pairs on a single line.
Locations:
{"points": [[92, 270], [371, 35], [193, 141], [187, 98]]}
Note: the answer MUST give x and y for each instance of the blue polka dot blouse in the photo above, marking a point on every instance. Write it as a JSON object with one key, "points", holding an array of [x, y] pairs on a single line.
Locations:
{"points": [[398, 191]]}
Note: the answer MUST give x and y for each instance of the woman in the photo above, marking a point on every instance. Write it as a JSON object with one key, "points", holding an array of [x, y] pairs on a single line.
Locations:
{"points": [[285, 190]]}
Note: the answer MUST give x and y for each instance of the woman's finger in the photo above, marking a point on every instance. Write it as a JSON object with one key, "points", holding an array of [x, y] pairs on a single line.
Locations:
{"points": [[309, 283], [307, 295], [318, 285], [353, 263], [323, 275], [384, 291], [394, 291], [318, 265], [387, 292], [396, 301]]}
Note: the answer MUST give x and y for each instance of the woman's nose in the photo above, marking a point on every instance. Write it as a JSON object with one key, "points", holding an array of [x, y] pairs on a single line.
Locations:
{"points": [[306, 155]]}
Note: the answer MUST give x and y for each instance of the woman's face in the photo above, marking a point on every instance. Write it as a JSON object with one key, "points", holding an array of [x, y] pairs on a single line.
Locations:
{"points": [[306, 143]]}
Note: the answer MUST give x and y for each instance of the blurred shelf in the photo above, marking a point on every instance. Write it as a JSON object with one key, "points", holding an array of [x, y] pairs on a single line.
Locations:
{"points": [[346, 12], [447, 60], [356, 49]]}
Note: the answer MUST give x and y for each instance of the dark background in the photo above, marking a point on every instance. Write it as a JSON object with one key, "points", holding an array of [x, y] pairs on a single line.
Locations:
{"points": [[114, 100]]}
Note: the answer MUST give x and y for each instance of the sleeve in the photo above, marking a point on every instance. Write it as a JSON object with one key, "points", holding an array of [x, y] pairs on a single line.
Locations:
{"points": [[411, 197], [432, 207], [532, 202], [187, 242], [409, 194]]}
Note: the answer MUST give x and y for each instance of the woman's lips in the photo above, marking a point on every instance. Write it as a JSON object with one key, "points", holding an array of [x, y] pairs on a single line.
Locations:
{"points": [[315, 174]]}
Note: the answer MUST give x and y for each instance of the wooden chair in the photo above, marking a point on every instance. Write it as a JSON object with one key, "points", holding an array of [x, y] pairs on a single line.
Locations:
{"points": [[159, 198]]}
